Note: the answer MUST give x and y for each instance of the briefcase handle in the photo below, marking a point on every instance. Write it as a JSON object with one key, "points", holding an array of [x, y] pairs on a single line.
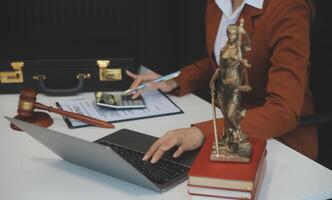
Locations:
{"points": [[61, 92]]}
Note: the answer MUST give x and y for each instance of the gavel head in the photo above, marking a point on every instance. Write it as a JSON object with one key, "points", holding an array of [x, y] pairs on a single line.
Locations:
{"points": [[26, 104], [25, 112]]}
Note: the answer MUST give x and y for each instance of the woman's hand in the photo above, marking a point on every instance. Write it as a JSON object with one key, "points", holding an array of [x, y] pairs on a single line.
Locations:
{"points": [[164, 86], [186, 139]]}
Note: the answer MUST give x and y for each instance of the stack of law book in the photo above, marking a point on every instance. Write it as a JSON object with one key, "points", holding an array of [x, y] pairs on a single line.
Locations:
{"points": [[212, 180]]}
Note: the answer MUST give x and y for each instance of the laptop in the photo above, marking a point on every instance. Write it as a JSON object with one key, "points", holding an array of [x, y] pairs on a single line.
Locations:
{"points": [[118, 154]]}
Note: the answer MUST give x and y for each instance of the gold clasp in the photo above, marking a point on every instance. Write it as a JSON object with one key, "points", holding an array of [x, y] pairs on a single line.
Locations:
{"points": [[106, 74], [39, 76], [15, 76], [84, 76]]}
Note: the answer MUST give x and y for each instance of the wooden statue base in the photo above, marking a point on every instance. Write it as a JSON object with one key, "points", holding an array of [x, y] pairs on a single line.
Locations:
{"points": [[242, 155], [39, 118]]}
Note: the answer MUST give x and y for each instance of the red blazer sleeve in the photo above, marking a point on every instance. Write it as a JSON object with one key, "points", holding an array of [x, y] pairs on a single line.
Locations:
{"points": [[192, 76], [287, 35]]}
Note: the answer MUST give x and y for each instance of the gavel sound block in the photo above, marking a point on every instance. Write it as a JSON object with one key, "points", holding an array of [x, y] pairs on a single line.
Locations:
{"points": [[27, 104]]}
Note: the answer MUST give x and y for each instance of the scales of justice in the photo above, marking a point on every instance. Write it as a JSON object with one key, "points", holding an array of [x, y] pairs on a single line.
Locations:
{"points": [[226, 85]]}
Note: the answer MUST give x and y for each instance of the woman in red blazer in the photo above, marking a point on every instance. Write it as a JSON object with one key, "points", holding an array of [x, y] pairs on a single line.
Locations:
{"points": [[279, 32]]}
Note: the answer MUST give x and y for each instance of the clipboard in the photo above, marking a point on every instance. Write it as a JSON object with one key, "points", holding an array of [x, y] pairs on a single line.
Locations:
{"points": [[158, 104]]}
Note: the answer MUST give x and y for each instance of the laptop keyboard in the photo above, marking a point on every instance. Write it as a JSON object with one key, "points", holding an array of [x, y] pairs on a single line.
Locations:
{"points": [[161, 172]]}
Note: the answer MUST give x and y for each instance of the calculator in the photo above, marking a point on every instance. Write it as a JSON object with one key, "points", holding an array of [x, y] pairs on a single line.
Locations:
{"points": [[119, 100]]}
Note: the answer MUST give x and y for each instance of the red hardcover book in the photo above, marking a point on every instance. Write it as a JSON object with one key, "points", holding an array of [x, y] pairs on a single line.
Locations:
{"points": [[201, 192], [227, 175]]}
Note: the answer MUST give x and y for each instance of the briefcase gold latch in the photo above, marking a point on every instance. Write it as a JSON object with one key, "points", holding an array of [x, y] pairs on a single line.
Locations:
{"points": [[15, 76], [106, 74]]}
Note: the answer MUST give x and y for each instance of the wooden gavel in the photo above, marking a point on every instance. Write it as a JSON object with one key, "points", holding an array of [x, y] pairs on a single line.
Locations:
{"points": [[27, 104]]}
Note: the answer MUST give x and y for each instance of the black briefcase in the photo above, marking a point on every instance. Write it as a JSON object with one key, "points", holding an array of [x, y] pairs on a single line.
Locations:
{"points": [[66, 77]]}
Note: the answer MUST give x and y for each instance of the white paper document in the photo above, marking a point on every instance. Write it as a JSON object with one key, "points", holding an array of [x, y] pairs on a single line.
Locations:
{"points": [[157, 104]]}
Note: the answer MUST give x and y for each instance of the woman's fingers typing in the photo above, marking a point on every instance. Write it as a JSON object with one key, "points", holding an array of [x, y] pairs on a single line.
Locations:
{"points": [[157, 150], [179, 151], [152, 150], [186, 139], [165, 146]]}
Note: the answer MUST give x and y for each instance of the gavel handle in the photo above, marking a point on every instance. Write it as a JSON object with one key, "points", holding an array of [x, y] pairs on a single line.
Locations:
{"points": [[76, 116]]}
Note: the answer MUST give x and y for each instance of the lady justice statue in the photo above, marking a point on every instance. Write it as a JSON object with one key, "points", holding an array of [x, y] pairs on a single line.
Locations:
{"points": [[226, 85]]}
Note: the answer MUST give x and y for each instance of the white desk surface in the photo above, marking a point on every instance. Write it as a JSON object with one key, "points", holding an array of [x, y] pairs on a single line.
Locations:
{"points": [[30, 171]]}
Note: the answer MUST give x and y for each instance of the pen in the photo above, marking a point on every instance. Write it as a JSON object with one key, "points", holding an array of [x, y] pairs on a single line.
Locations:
{"points": [[160, 79]]}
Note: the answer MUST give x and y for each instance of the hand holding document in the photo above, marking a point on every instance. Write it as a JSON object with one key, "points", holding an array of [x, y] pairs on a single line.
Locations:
{"points": [[151, 80]]}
